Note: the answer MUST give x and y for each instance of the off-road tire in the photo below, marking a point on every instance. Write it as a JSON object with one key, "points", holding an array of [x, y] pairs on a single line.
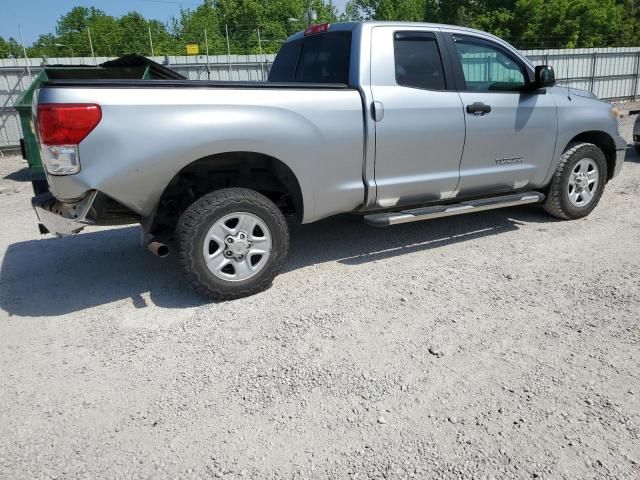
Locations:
{"points": [[637, 145], [204, 212], [557, 202]]}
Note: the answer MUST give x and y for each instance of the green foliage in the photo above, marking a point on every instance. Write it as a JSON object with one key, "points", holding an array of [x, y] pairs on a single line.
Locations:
{"points": [[111, 36], [526, 23], [577, 23], [10, 48]]}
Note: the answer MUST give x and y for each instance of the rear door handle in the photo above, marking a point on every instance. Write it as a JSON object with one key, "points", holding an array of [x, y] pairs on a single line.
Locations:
{"points": [[478, 108], [377, 111]]}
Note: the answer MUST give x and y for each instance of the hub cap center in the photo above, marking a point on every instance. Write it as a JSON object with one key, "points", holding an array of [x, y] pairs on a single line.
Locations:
{"points": [[237, 245], [581, 181]]}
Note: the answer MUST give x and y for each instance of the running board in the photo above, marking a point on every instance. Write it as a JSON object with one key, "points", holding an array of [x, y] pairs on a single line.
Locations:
{"points": [[426, 213]]}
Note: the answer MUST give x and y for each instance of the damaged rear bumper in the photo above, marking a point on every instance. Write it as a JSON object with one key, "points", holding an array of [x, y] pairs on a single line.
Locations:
{"points": [[61, 218]]}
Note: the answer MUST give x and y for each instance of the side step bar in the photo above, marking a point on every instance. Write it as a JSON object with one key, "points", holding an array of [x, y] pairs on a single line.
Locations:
{"points": [[426, 213]]}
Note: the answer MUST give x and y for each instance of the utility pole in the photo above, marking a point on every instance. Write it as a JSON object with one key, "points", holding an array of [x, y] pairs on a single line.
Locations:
{"points": [[206, 45], [226, 30], [24, 50], [91, 46], [261, 56], [151, 41], [310, 14]]}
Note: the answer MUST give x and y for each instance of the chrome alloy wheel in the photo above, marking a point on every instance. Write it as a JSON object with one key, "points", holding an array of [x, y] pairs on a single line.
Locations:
{"points": [[237, 246], [583, 182]]}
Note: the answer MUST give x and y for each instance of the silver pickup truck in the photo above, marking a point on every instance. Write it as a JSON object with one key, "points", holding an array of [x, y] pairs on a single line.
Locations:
{"points": [[396, 122]]}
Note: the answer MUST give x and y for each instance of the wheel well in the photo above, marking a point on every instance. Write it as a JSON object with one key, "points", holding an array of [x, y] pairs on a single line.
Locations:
{"points": [[604, 142], [259, 172]]}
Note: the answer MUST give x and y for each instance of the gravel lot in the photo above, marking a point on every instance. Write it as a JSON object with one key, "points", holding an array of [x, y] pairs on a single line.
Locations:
{"points": [[502, 344]]}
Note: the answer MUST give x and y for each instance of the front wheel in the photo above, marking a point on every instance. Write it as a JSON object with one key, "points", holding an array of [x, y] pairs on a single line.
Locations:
{"points": [[578, 183], [232, 243]]}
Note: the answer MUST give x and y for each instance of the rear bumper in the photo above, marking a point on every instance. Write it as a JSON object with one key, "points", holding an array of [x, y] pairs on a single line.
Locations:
{"points": [[60, 218]]}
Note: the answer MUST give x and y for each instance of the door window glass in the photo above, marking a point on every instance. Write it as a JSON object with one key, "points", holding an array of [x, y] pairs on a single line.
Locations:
{"points": [[418, 62], [487, 68]]}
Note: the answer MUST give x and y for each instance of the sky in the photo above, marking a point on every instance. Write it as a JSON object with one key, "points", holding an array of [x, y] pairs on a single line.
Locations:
{"points": [[40, 16]]}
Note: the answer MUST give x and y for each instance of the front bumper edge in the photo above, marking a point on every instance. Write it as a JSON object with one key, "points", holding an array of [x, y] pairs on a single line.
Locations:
{"points": [[62, 219]]}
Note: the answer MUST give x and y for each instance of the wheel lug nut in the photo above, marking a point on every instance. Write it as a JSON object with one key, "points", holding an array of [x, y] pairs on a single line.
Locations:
{"points": [[229, 240]]}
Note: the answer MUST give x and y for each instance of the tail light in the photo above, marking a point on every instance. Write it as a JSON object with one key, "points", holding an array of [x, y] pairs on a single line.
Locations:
{"points": [[61, 127], [315, 29]]}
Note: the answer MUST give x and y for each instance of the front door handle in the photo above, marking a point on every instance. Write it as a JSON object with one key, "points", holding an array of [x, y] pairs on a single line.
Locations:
{"points": [[478, 108]]}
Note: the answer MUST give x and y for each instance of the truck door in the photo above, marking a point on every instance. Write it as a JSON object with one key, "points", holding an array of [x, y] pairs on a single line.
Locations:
{"points": [[511, 131], [419, 120]]}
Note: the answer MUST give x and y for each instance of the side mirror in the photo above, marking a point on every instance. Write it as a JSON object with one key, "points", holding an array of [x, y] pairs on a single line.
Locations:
{"points": [[545, 76]]}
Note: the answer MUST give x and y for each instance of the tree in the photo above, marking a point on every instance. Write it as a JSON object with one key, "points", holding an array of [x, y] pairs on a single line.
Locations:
{"points": [[526, 23], [72, 32], [10, 48], [410, 10], [557, 23], [43, 46], [191, 25], [134, 33], [573, 23]]}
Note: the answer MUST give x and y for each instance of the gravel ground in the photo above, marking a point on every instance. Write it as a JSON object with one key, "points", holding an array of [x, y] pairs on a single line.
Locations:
{"points": [[501, 344]]}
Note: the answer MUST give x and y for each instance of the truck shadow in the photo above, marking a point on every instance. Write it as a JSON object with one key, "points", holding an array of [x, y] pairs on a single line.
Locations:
{"points": [[22, 175], [348, 240], [55, 276]]}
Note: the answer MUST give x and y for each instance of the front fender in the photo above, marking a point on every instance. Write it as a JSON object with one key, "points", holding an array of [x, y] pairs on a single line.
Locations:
{"points": [[578, 115]]}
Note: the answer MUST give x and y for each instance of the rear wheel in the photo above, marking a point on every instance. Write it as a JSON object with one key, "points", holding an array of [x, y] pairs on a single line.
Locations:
{"points": [[578, 182], [232, 243]]}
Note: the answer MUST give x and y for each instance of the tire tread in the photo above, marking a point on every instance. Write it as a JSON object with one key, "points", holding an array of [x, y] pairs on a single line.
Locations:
{"points": [[553, 204], [187, 249]]}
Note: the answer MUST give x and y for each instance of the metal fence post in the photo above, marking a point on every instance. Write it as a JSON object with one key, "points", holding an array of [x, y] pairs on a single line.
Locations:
{"points": [[636, 80], [91, 46], [593, 71], [151, 42], [226, 31], [261, 56], [24, 50], [206, 43]]}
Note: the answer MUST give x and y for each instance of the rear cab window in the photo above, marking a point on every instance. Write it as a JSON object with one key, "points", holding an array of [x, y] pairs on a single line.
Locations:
{"points": [[418, 63], [321, 58]]}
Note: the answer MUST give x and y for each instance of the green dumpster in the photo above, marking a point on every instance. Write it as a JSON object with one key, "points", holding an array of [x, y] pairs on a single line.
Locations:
{"points": [[127, 67]]}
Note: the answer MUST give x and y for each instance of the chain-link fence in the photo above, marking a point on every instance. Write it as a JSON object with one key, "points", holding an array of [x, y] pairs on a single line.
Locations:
{"points": [[146, 42]]}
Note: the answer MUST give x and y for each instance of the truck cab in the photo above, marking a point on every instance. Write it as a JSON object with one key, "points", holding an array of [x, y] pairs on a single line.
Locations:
{"points": [[450, 112]]}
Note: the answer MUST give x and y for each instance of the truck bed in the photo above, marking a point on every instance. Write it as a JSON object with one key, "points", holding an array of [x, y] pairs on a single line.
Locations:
{"points": [[152, 129], [102, 83]]}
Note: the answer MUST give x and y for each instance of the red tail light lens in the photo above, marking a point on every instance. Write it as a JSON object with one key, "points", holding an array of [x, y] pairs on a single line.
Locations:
{"points": [[66, 123]]}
